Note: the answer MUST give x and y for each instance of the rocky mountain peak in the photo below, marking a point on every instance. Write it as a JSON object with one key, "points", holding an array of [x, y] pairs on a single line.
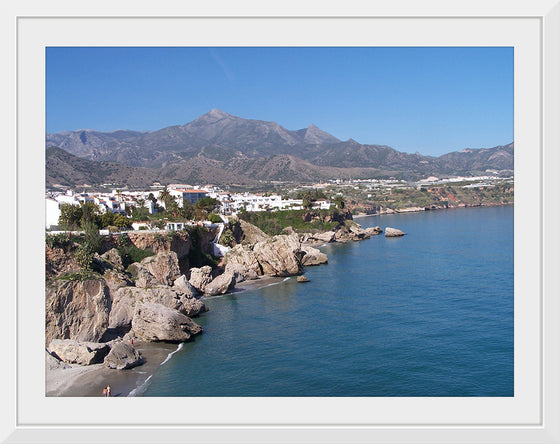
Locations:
{"points": [[214, 115]]}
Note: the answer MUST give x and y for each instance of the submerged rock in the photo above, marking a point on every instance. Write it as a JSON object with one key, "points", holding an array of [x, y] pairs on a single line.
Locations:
{"points": [[302, 279]]}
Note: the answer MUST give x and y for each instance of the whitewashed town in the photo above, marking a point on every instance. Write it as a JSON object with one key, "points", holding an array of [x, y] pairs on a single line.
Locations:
{"points": [[118, 202]]}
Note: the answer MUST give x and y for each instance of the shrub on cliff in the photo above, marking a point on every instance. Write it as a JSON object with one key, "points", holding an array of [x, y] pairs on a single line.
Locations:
{"points": [[84, 256]]}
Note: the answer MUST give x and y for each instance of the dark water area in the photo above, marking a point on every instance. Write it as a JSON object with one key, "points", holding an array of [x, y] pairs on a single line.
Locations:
{"points": [[427, 314]]}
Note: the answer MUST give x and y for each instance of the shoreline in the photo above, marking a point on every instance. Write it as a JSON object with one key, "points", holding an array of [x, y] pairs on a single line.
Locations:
{"points": [[87, 381], [407, 211], [74, 380]]}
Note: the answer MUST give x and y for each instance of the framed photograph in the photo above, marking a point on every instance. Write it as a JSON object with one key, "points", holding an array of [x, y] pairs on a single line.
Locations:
{"points": [[523, 407]]}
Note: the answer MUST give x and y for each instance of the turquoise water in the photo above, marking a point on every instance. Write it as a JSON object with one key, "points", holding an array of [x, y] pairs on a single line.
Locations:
{"points": [[428, 314]]}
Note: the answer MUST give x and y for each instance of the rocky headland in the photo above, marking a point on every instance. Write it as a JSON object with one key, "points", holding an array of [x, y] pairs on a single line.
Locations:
{"points": [[97, 317]]}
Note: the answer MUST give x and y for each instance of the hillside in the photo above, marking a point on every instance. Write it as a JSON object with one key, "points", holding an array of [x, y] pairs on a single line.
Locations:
{"points": [[65, 169], [221, 148]]}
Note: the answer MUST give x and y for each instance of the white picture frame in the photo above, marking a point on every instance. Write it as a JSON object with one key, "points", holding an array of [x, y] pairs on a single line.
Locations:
{"points": [[530, 417]]}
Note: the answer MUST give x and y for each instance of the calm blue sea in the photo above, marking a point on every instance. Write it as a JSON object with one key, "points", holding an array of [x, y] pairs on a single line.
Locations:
{"points": [[428, 314]]}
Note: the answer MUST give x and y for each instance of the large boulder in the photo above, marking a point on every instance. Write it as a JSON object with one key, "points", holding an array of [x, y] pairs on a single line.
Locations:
{"points": [[327, 236], [122, 356], [243, 255], [278, 256], [182, 285], [155, 322], [220, 285], [374, 231], [77, 310], [393, 232], [52, 363], [241, 272], [246, 233], [127, 299], [163, 266], [76, 352], [313, 256], [200, 277], [351, 231]]}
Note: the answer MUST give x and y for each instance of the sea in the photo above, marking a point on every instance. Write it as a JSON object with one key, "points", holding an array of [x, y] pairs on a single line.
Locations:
{"points": [[429, 314]]}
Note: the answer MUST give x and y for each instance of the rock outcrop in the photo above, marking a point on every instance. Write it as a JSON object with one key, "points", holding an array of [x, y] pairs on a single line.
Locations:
{"points": [[76, 352], [220, 284], [122, 356], [351, 231], [200, 277], [248, 234], [59, 260], [313, 256], [113, 257], [77, 310], [241, 272], [393, 232], [164, 267], [244, 256], [155, 322], [278, 256], [182, 285], [326, 237], [127, 299]]}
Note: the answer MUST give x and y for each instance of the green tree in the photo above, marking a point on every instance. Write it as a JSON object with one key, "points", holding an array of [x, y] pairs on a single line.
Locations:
{"points": [[121, 221], [339, 202], [307, 202], [107, 219], [205, 206], [70, 216], [188, 210], [90, 213], [166, 197]]}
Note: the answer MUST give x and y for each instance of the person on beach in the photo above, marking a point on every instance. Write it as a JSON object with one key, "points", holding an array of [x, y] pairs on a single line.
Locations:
{"points": [[105, 391], [108, 391]]}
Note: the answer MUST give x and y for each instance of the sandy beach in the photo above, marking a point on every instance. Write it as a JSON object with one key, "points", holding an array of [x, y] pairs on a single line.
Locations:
{"points": [[77, 380]]}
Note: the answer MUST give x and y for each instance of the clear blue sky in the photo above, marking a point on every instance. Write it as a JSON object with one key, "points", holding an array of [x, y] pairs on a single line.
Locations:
{"points": [[430, 100]]}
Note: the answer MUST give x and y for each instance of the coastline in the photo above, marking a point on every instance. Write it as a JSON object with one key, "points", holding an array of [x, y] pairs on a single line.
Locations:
{"points": [[420, 210], [73, 380], [88, 381]]}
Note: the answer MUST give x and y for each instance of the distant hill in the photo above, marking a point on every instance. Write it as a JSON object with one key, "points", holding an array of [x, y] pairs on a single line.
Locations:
{"points": [[66, 169], [218, 147]]}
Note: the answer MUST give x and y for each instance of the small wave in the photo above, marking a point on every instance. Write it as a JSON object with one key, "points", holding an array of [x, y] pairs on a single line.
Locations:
{"points": [[172, 353], [276, 283], [141, 388]]}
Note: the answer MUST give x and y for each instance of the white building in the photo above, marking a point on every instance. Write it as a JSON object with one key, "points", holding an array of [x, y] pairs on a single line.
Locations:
{"points": [[52, 214]]}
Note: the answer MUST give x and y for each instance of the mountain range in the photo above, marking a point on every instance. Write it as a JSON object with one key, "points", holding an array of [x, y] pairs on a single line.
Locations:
{"points": [[220, 148]]}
